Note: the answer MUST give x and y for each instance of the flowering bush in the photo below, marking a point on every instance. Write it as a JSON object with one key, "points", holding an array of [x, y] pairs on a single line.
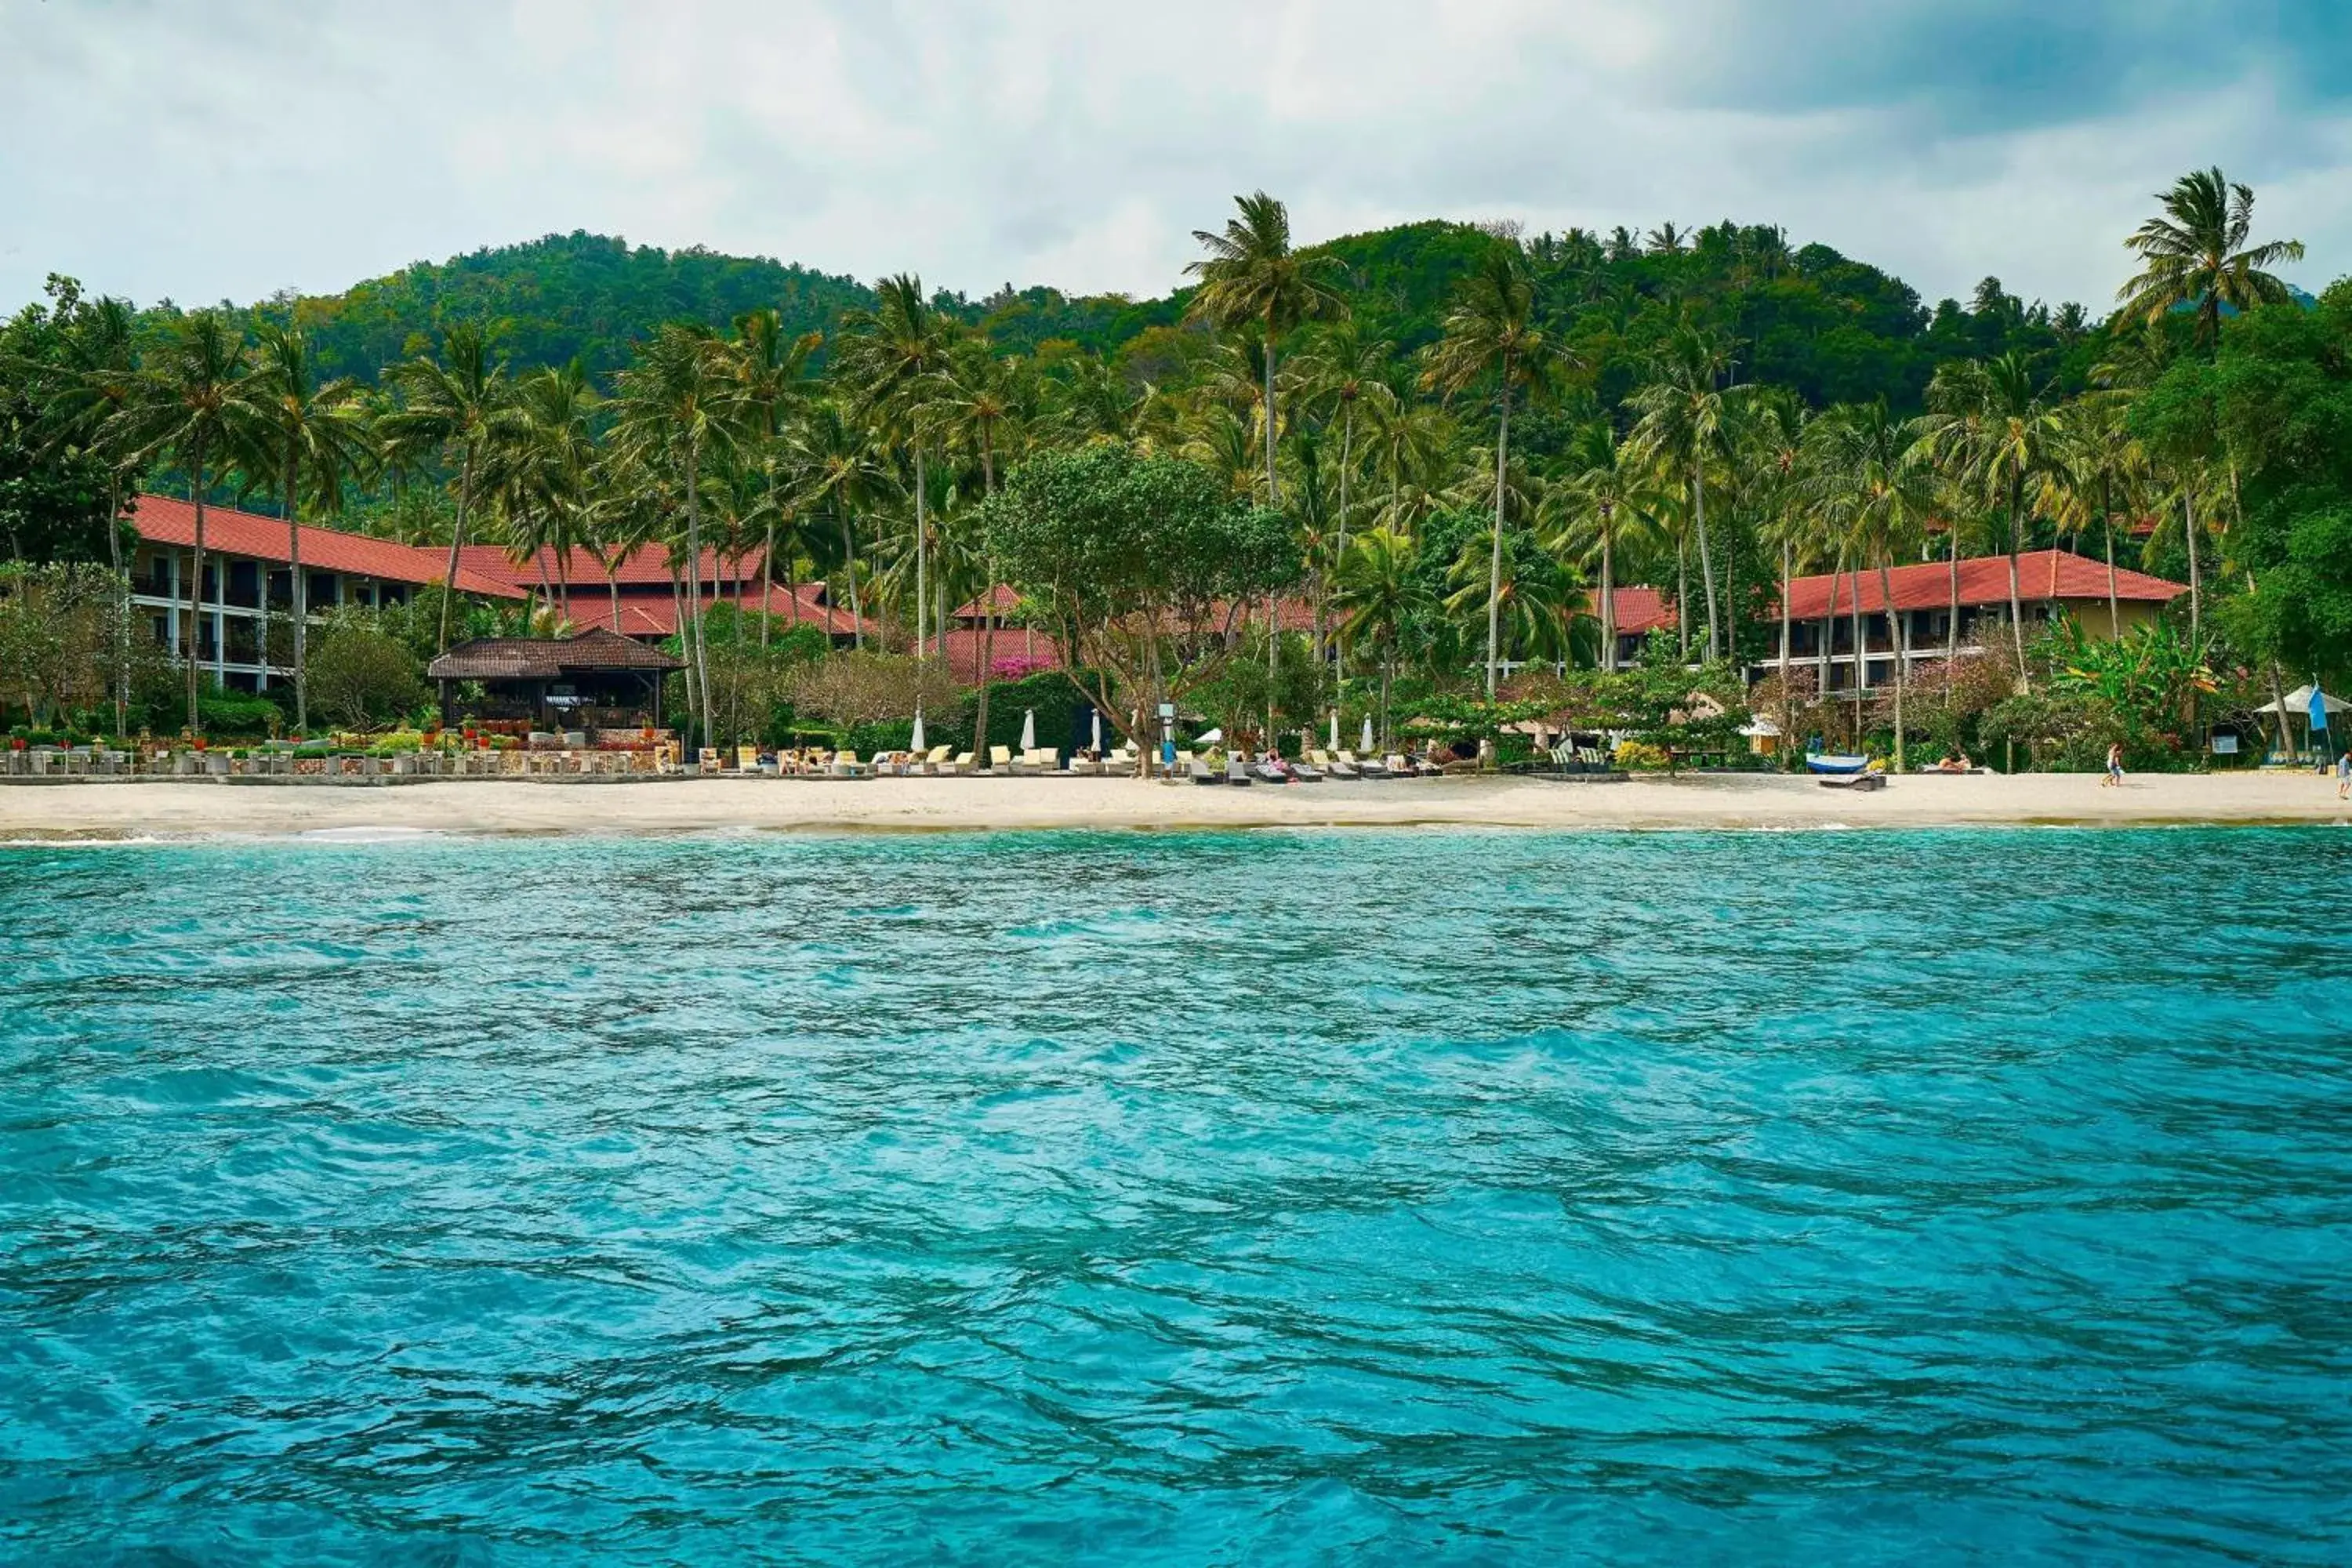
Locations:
{"points": [[1641, 757], [1019, 667]]}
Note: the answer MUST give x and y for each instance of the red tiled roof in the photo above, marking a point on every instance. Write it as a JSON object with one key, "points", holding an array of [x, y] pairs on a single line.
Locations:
{"points": [[648, 565], [1000, 600], [655, 615], [2043, 574], [1640, 610], [162, 519]]}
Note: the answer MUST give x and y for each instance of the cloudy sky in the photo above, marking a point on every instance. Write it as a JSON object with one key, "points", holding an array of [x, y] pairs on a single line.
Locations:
{"points": [[231, 148]]}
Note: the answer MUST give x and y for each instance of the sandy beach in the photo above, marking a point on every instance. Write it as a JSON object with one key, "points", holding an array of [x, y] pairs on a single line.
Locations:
{"points": [[197, 808]]}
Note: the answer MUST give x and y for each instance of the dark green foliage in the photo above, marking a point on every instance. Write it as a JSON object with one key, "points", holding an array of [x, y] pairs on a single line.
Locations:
{"points": [[582, 296], [362, 674], [1049, 695]]}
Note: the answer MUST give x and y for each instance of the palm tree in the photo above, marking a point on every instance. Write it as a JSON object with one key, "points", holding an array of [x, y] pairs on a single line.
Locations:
{"points": [[538, 460], [2197, 255], [1769, 441], [315, 431], [1347, 367], [773, 370], [838, 468], [195, 400], [1381, 592], [1876, 499], [447, 404], [676, 404], [1988, 427], [1680, 421], [1491, 336], [1252, 274], [982, 396], [103, 358], [892, 355], [1606, 503]]}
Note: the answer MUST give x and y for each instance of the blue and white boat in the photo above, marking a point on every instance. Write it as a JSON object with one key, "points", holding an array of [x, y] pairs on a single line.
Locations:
{"points": [[1822, 764]]}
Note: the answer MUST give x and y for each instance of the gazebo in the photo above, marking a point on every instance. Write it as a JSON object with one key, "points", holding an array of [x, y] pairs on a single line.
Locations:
{"points": [[553, 681]]}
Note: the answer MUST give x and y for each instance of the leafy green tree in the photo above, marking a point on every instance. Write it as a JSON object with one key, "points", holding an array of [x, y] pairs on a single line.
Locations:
{"points": [[893, 355], [1380, 594], [363, 674], [195, 401], [1991, 429], [1491, 337], [2198, 256], [1608, 502], [1139, 565]]}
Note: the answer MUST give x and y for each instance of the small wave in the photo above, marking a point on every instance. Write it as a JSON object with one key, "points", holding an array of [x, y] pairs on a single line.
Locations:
{"points": [[367, 834]]}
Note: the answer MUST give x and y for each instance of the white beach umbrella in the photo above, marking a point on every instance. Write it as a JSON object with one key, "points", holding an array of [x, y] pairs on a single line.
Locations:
{"points": [[1367, 731], [1097, 719], [916, 741], [1335, 729], [1210, 738], [1029, 729]]}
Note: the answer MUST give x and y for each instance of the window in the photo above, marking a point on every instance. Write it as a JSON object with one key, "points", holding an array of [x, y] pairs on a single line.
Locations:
{"points": [[245, 583]]}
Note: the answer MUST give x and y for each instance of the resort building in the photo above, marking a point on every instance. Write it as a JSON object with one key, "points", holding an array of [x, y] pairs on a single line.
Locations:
{"points": [[640, 598], [248, 579], [1822, 611], [595, 678]]}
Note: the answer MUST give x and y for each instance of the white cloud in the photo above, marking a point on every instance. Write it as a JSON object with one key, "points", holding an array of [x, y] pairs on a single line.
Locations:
{"points": [[228, 150]]}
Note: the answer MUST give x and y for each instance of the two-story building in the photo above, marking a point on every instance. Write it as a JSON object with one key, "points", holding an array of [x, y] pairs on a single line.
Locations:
{"points": [[249, 580]]}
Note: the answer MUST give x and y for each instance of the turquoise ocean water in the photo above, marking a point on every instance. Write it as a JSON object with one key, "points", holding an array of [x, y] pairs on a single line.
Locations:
{"points": [[1430, 1197]]}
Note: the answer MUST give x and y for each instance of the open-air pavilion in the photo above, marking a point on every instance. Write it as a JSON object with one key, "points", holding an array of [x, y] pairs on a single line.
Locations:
{"points": [[594, 678]]}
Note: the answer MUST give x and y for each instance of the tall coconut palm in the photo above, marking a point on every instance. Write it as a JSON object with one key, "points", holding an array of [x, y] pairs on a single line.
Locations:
{"points": [[676, 404], [1491, 340], [1607, 504], [2197, 256], [1680, 418], [538, 462], [1347, 367], [317, 432], [1381, 592], [838, 469], [892, 355], [1768, 441], [446, 407], [1877, 499], [195, 402], [773, 370], [983, 398], [103, 358], [1990, 428]]}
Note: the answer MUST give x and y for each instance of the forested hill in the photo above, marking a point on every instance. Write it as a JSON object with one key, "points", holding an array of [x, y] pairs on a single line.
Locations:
{"points": [[1833, 329]]}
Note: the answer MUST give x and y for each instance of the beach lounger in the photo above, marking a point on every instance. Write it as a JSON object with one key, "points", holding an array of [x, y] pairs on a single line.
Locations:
{"points": [[935, 761], [962, 765], [1199, 771], [1237, 771], [1000, 759], [1365, 767], [1307, 772], [1334, 767], [1037, 762], [845, 765]]}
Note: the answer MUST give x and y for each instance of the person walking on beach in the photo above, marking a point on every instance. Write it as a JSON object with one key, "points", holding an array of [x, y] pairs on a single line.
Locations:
{"points": [[2344, 776], [2114, 767]]}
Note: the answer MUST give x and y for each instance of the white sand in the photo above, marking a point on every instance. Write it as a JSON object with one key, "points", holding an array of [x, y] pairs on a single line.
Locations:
{"points": [[177, 808]]}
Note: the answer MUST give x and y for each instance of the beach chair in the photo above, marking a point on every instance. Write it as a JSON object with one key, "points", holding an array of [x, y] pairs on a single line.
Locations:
{"points": [[1199, 771], [1399, 766], [845, 765], [1306, 771], [1334, 767], [1000, 758], [935, 761], [747, 759], [960, 764], [1366, 767], [1237, 771], [708, 758], [1037, 762]]}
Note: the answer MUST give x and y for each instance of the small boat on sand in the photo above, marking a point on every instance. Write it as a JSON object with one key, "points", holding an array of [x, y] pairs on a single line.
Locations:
{"points": [[1822, 762], [1872, 780]]}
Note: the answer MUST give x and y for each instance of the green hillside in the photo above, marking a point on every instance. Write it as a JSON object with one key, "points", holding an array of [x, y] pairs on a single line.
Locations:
{"points": [[1833, 329]]}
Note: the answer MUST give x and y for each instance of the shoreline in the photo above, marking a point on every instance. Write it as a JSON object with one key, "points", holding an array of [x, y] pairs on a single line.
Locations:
{"points": [[198, 809]]}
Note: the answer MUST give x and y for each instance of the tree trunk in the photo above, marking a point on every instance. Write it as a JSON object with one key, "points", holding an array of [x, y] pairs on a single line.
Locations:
{"points": [[1274, 501], [1495, 555], [920, 521], [1787, 580], [1608, 592], [767, 577], [2016, 605], [1894, 634], [2196, 591], [857, 605], [987, 670], [1705, 561], [1829, 628], [1861, 656], [613, 585], [122, 601], [457, 538], [1682, 594], [1347, 459], [196, 588], [2115, 606], [294, 595], [694, 577], [1952, 623]]}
